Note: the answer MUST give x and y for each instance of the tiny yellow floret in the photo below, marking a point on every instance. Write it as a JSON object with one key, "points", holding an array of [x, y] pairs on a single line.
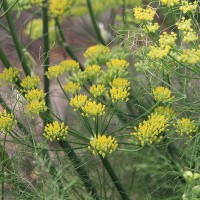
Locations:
{"points": [[55, 131], [102, 145]]}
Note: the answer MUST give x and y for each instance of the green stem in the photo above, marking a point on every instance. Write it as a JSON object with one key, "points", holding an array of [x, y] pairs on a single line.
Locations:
{"points": [[64, 43], [15, 38], [94, 22], [114, 178], [80, 169], [4, 59], [46, 50]]}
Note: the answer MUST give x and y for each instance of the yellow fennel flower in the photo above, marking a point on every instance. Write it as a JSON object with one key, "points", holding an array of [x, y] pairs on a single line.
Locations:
{"points": [[97, 54], [170, 2], [152, 28], [151, 129], [30, 82], [55, 71], [185, 24], [185, 126], [59, 7], [10, 75], [35, 94], [159, 52], [35, 107], [55, 131], [167, 39], [188, 6], [102, 145], [117, 64], [36, 2], [92, 72], [144, 14], [92, 108], [119, 94], [190, 56], [189, 36], [166, 111], [70, 65], [97, 90], [72, 87], [120, 82], [78, 101], [7, 121], [162, 94]]}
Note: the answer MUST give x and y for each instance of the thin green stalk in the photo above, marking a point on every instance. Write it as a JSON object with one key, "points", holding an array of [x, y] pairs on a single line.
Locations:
{"points": [[80, 169], [94, 22], [64, 43], [46, 51], [114, 178], [15, 38], [4, 59]]}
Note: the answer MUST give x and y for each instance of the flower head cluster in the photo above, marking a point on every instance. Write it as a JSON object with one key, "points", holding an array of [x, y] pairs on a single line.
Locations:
{"points": [[185, 24], [97, 90], [120, 90], [70, 65], [190, 56], [162, 94], [185, 126], [36, 101], [159, 52], [167, 39], [103, 145], [97, 54], [188, 6], [92, 108], [91, 72], [55, 71], [166, 111], [78, 101], [170, 2], [152, 28], [9, 75], [30, 82], [72, 87], [144, 14], [58, 7], [55, 131], [36, 2], [7, 121], [150, 130]]}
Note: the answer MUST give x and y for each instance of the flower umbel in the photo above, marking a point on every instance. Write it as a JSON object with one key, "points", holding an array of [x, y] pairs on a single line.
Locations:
{"points": [[97, 90], [102, 145], [7, 121], [72, 87], [70, 65], [78, 101], [144, 14], [150, 130], [162, 94], [30, 82], [55, 131]]}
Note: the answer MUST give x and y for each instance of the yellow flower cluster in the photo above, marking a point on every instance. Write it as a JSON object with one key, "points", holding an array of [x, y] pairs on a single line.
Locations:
{"points": [[162, 94], [190, 56], [120, 90], [58, 7], [150, 130], [152, 28], [36, 102], [92, 72], [185, 126], [55, 131], [36, 2], [166, 111], [167, 39], [97, 54], [188, 6], [102, 145], [9, 75], [70, 65], [92, 108], [170, 2], [159, 52], [30, 82], [144, 14], [72, 87], [7, 121], [55, 71], [117, 64], [78, 101], [184, 25], [97, 90]]}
